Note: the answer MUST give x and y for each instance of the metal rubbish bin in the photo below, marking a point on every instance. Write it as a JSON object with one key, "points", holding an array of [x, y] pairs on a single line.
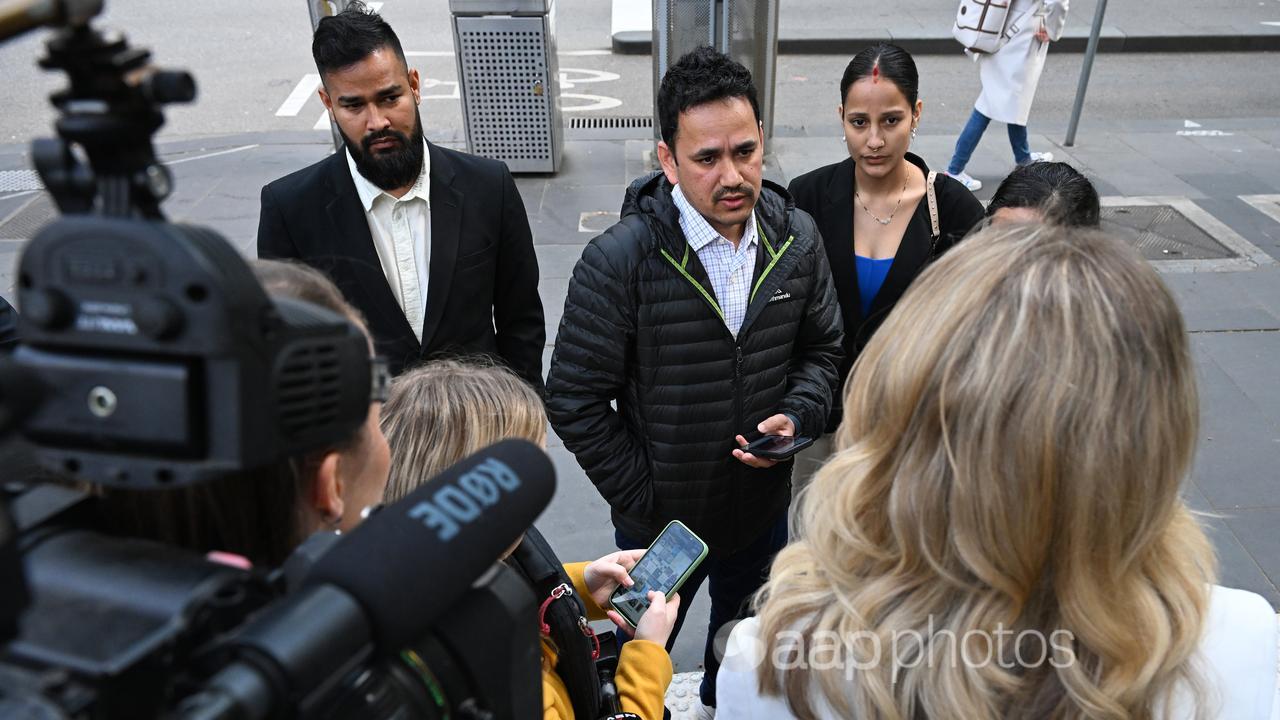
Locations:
{"points": [[508, 77], [746, 30]]}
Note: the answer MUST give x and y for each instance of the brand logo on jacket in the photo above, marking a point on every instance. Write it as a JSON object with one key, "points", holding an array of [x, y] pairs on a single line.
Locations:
{"points": [[779, 296]]}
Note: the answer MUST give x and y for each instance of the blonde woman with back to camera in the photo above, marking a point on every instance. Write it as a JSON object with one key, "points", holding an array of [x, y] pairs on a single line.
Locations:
{"points": [[445, 410], [1000, 532]]}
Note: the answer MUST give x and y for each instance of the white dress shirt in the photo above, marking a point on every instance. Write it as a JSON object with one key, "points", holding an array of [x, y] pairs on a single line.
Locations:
{"points": [[401, 231], [729, 269]]}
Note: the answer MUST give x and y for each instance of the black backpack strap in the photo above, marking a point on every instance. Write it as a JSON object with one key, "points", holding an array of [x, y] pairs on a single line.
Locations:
{"points": [[564, 620]]}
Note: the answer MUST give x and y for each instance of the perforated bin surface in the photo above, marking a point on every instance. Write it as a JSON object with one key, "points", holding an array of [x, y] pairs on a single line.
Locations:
{"points": [[684, 25], [508, 90]]}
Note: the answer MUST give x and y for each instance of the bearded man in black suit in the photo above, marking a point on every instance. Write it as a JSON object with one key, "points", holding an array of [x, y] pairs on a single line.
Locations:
{"points": [[432, 245]]}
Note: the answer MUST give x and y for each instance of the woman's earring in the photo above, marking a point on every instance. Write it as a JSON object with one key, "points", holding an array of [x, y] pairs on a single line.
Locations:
{"points": [[334, 522], [913, 134]]}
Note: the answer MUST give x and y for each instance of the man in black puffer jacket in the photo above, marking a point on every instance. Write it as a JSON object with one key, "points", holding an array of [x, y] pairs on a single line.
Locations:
{"points": [[707, 313]]}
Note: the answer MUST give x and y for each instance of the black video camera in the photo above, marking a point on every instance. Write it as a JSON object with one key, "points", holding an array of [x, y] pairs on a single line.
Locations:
{"points": [[151, 359]]}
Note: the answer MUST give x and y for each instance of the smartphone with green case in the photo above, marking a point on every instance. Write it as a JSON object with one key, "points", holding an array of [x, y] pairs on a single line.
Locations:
{"points": [[670, 560]]}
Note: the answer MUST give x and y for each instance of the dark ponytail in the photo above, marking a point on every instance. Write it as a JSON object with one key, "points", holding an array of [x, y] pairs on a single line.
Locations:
{"points": [[891, 62], [1057, 190]]}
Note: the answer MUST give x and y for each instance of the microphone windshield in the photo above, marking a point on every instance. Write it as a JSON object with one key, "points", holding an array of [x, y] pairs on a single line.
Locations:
{"points": [[412, 560]]}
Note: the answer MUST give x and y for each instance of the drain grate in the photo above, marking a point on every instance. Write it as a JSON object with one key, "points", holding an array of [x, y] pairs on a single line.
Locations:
{"points": [[1160, 232], [611, 123], [24, 223], [19, 181]]}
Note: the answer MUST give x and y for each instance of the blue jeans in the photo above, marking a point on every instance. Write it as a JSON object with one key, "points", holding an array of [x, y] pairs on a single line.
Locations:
{"points": [[972, 133], [734, 579]]}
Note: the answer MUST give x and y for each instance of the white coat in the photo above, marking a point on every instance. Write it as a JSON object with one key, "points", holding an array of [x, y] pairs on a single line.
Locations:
{"points": [[1236, 658], [1010, 75]]}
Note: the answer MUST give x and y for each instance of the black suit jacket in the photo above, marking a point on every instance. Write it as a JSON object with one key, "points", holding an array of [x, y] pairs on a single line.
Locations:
{"points": [[482, 290], [827, 195]]}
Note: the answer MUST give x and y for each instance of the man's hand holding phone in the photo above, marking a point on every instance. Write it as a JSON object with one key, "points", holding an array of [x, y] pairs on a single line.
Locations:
{"points": [[775, 425]]}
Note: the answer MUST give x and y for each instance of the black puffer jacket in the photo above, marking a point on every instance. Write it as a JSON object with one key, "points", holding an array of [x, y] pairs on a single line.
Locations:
{"points": [[638, 331]]}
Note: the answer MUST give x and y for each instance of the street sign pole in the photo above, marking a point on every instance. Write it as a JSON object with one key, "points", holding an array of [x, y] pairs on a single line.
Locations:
{"points": [[1089, 53], [320, 9]]}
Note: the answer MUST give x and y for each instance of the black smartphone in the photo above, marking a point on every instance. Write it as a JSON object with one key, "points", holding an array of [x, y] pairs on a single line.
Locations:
{"points": [[670, 561], [777, 447]]}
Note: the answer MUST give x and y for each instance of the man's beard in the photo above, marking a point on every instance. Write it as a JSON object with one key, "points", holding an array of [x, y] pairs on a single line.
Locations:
{"points": [[395, 168]]}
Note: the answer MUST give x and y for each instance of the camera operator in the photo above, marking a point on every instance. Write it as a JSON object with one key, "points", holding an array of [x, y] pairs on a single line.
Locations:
{"points": [[441, 412], [201, 416], [264, 513]]}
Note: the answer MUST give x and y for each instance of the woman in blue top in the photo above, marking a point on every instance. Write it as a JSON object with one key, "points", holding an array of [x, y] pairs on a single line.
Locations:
{"points": [[872, 207]]}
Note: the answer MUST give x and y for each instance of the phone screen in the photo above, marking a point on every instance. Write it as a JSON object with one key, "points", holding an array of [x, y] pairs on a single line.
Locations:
{"points": [[670, 559], [775, 443]]}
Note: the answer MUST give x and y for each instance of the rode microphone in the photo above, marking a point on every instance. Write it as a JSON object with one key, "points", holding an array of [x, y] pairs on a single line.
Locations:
{"points": [[391, 580], [410, 561]]}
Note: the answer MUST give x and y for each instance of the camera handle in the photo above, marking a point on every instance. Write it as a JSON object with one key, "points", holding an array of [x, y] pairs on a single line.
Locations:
{"points": [[606, 666], [610, 704]]}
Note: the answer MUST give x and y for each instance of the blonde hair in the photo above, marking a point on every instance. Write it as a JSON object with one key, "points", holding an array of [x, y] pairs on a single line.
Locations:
{"points": [[441, 412], [1013, 443], [293, 279]]}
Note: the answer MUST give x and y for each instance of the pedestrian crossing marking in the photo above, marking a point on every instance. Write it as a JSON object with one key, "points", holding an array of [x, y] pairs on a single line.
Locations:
{"points": [[302, 92]]}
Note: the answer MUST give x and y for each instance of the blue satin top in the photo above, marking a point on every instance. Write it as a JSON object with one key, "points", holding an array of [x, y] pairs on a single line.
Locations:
{"points": [[871, 275]]}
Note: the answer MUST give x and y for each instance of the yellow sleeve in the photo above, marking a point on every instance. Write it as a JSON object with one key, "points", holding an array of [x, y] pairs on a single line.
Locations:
{"points": [[575, 571], [556, 704], [644, 673], [644, 668]]}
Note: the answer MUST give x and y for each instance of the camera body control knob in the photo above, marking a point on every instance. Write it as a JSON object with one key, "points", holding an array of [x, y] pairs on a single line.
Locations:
{"points": [[158, 318], [48, 308]]}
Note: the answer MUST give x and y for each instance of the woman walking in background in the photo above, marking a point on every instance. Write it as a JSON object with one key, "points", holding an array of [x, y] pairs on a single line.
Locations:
{"points": [[1009, 79]]}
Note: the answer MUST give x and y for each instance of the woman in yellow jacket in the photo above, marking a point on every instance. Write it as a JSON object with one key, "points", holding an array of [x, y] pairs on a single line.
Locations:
{"points": [[644, 668], [443, 411]]}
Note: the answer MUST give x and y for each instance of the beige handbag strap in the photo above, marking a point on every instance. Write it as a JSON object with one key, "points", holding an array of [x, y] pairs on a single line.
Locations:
{"points": [[933, 209]]}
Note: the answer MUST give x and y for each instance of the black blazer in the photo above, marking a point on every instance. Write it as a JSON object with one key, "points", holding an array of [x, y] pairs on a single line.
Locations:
{"points": [[827, 195], [482, 293]]}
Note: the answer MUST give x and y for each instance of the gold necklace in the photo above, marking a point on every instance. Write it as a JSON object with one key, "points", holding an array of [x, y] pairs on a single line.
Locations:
{"points": [[889, 219]]}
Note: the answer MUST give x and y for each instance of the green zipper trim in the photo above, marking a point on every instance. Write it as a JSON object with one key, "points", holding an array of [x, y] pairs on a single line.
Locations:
{"points": [[680, 266], [768, 245], [769, 267]]}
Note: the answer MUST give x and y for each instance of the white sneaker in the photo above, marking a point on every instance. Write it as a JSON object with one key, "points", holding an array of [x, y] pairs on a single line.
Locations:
{"points": [[1040, 157], [968, 181]]}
